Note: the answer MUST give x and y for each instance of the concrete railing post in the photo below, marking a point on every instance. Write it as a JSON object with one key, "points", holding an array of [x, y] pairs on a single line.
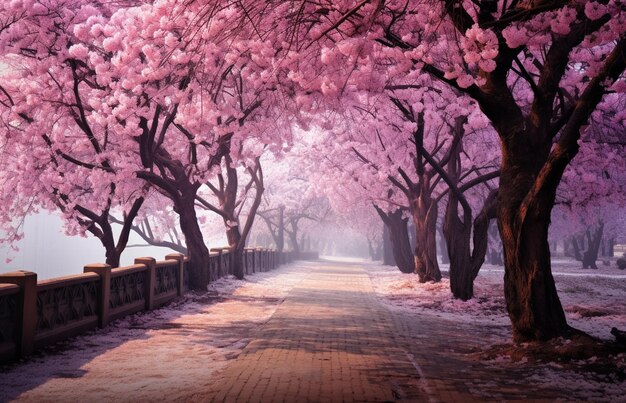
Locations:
{"points": [[180, 273], [104, 295], [27, 308], [150, 263]]}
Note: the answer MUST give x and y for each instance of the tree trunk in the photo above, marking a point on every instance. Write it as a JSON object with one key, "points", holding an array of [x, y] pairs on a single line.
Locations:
{"points": [[523, 217], [197, 250], [293, 238], [593, 241], [399, 239], [236, 244], [112, 257], [464, 262], [424, 213], [576, 248], [388, 259], [237, 261], [604, 247], [457, 233]]}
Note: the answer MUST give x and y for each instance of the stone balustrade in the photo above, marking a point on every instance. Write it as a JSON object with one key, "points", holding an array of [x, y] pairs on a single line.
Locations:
{"points": [[34, 314]]}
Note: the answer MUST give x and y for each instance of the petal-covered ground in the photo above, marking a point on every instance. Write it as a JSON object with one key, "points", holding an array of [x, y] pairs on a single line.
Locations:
{"points": [[594, 300]]}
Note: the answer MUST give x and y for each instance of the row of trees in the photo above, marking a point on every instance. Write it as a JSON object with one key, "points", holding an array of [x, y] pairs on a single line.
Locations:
{"points": [[539, 72], [121, 114], [166, 107]]}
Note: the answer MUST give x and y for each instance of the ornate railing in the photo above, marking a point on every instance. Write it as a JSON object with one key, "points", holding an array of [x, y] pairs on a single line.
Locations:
{"points": [[166, 281], [66, 306], [34, 314], [127, 291]]}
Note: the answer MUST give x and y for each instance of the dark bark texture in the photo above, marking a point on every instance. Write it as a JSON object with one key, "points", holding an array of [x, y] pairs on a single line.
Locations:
{"points": [[388, 258], [399, 239]]}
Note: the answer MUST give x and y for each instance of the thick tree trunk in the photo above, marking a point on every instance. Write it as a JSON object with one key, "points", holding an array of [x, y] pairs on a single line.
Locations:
{"points": [[465, 263], [112, 257], [387, 247], [197, 250], [424, 213], [236, 244], [400, 242], [237, 262], [399, 239], [457, 234], [523, 218]]}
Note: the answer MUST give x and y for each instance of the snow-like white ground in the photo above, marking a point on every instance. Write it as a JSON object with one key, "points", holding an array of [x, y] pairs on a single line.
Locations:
{"points": [[594, 300]]}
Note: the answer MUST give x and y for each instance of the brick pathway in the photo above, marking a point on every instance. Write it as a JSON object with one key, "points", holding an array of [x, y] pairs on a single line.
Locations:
{"points": [[330, 340]]}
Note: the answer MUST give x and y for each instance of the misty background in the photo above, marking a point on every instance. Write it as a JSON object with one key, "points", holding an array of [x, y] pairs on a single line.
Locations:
{"points": [[47, 251]]}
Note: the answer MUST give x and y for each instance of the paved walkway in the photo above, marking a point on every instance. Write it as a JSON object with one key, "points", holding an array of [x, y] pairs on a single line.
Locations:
{"points": [[330, 340]]}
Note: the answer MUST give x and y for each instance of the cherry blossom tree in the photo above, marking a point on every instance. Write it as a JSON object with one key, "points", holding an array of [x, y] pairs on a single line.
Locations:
{"points": [[416, 145], [537, 71], [143, 81], [291, 206], [590, 196], [52, 169], [160, 229], [231, 200], [541, 50]]}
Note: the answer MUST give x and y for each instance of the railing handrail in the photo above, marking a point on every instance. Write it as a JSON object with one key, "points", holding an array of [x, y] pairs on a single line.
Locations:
{"points": [[120, 271], [66, 281], [9, 289]]}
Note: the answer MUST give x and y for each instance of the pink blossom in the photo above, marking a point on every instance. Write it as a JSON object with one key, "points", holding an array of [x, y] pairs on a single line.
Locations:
{"points": [[594, 10]]}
